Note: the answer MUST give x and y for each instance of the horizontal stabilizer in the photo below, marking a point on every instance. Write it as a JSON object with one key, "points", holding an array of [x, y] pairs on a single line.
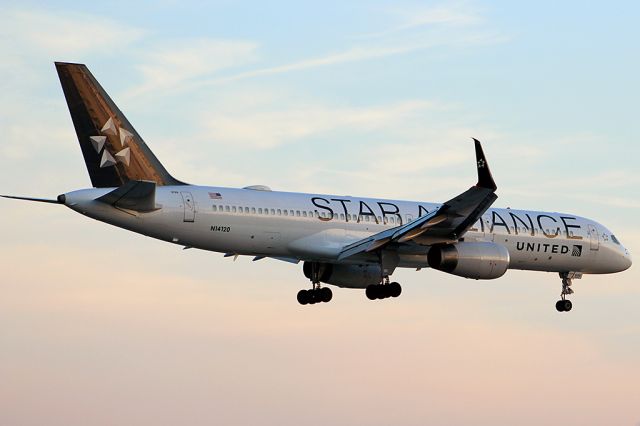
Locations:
{"points": [[40, 200], [137, 195]]}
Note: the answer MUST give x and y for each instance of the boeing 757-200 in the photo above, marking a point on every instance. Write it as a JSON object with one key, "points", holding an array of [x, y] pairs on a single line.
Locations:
{"points": [[349, 242]]}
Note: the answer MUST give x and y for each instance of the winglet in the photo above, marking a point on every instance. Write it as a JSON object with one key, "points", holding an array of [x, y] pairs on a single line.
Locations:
{"points": [[485, 180]]}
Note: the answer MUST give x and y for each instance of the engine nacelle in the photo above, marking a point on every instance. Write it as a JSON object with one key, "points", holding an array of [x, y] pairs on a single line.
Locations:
{"points": [[481, 261], [347, 276]]}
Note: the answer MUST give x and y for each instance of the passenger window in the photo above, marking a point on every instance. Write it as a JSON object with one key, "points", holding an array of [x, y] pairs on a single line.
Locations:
{"points": [[286, 213], [214, 208], [298, 213], [304, 214], [233, 209], [226, 208], [341, 216], [259, 210], [253, 210], [291, 212], [273, 212], [279, 212]]}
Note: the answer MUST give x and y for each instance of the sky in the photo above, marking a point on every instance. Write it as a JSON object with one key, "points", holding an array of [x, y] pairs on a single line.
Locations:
{"points": [[371, 98]]}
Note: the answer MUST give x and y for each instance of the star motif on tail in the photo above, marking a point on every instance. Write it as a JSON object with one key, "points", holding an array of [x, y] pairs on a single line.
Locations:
{"points": [[107, 159]]}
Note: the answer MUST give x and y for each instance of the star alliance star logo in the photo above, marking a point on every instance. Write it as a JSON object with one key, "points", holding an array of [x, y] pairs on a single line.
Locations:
{"points": [[99, 142], [481, 163]]}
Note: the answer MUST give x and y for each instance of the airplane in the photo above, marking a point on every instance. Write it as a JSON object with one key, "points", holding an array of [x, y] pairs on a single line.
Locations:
{"points": [[344, 241]]}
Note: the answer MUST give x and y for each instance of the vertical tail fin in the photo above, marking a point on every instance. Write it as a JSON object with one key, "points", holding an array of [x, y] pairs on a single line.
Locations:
{"points": [[113, 151]]}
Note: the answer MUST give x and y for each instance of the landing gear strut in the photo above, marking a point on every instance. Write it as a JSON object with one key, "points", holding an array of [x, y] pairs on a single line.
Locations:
{"points": [[565, 305], [316, 294]]}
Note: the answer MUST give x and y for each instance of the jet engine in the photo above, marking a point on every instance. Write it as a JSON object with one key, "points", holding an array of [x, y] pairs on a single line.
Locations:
{"points": [[481, 261], [346, 276]]}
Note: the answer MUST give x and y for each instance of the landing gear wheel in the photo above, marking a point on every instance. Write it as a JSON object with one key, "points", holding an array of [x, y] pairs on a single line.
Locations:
{"points": [[372, 292], [325, 294], [303, 298], [395, 289], [316, 295], [564, 305], [383, 291]]}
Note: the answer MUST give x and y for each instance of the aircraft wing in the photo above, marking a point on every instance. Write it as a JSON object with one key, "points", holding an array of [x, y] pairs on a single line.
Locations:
{"points": [[445, 225]]}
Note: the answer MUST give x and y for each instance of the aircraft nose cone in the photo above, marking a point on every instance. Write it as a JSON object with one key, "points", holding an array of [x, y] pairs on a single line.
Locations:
{"points": [[627, 262]]}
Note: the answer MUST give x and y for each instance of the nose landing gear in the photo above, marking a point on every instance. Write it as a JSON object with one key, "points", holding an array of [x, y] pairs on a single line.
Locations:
{"points": [[564, 305]]}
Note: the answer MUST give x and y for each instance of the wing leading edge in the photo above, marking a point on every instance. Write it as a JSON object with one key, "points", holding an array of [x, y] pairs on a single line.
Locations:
{"points": [[445, 225]]}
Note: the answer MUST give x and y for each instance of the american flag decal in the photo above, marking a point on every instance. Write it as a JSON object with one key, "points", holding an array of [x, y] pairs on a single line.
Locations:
{"points": [[577, 251], [215, 196]]}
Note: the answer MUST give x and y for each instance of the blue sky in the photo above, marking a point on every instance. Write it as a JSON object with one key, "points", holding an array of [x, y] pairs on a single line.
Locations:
{"points": [[365, 98]]}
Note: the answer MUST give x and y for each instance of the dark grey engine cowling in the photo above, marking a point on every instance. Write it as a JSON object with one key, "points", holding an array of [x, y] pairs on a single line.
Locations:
{"points": [[481, 261], [348, 276]]}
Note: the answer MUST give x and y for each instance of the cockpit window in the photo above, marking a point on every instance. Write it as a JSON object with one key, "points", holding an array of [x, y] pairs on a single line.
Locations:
{"points": [[615, 240]]}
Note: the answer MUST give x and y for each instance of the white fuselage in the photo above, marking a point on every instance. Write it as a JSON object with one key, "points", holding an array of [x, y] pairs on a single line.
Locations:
{"points": [[312, 227]]}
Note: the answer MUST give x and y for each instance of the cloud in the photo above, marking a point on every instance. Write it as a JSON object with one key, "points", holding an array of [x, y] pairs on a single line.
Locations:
{"points": [[268, 129], [178, 62], [63, 35], [353, 54], [363, 53], [441, 15], [453, 24]]}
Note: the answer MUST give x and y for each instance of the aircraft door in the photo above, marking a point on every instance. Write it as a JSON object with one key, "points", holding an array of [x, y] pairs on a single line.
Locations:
{"points": [[593, 237], [189, 206]]}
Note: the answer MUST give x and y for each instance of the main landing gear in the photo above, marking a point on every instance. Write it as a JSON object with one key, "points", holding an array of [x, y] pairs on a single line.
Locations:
{"points": [[384, 290], [564, 305], [388, 263], [316, 294]]}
